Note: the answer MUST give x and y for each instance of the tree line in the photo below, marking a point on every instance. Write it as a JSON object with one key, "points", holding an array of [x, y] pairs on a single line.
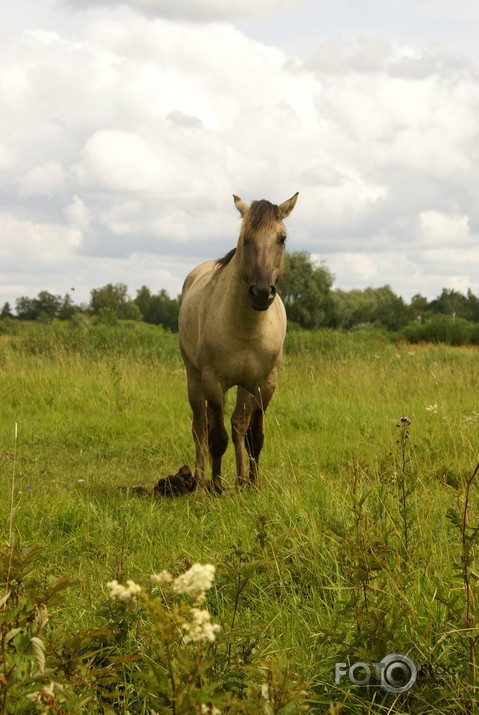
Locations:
{"points": [[308, 295]]}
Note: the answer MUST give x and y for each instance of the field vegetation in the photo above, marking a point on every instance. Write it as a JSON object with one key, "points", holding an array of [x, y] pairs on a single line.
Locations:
{"points": [[362, 541], [310, 300]]}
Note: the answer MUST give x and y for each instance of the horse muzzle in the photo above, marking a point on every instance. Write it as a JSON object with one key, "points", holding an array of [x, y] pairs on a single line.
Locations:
{"points": [[261, 296]]}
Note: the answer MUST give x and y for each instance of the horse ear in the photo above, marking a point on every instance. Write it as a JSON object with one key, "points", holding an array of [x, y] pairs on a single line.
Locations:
{"points": [[240, 205], [287, 206]]}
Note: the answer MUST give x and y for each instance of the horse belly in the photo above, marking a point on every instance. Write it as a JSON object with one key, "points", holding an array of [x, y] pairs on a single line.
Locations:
{"points": [[191, 322]]}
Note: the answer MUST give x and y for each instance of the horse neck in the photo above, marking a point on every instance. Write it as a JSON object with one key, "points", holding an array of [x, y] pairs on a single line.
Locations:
{"points": [[236, 307]]}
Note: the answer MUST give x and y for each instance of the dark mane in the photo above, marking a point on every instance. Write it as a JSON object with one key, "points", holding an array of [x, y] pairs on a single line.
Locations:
{"points": [[226, 259], [261, 214]]}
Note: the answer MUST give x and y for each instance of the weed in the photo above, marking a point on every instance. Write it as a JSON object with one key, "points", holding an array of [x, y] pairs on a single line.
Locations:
{"points": [[403, 486], [350, 551]]}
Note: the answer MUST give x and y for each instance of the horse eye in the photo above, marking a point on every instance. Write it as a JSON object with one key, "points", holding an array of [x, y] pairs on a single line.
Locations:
{"points": [[282, 239], [246, 241]]}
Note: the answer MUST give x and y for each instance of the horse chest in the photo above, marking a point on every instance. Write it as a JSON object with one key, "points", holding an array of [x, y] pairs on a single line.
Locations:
{"points": [[237, 363]]}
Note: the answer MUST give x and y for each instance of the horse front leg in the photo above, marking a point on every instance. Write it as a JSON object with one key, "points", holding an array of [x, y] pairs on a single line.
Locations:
{"points": [[254, 444], [217, 435], [240, 420]]}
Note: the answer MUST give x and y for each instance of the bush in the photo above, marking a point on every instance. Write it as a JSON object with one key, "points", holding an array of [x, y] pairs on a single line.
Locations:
{"points": [[442, 329]]}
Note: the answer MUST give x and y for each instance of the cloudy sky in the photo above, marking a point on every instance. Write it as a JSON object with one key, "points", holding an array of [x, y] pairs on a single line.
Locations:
{"points": [[126, 126]]}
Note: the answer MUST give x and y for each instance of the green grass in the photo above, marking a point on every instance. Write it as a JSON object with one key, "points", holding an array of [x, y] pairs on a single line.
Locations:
{"points": [[321, 549]]}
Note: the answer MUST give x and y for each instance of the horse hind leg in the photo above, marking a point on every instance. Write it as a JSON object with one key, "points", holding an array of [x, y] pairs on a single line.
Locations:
{"points": [[200, 437]]}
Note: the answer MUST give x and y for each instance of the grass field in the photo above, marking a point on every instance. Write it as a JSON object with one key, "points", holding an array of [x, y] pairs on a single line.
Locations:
{"points": [[361, 542]]}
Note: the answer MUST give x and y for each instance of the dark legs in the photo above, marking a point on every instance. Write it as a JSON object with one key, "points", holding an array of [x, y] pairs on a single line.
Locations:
{"points": [[247, 429], [210, 435], [217, 441], [208, 429], [254, 444]]}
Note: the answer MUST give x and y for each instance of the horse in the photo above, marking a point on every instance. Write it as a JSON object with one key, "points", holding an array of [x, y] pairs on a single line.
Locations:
{"points": [[232, 325]]}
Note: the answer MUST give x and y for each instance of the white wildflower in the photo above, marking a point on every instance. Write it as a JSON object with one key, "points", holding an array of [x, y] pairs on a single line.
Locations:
{"points": [[432, 409], [265, 691], [209, 710], [200, 628], [162, 579], [46, 694], [264, 701], [41, 616], [197, 580], [38, 647], [118, 592]]}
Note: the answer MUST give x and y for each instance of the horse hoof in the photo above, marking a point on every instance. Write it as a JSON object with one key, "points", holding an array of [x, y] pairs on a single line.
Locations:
{"points": [[214, 488]]}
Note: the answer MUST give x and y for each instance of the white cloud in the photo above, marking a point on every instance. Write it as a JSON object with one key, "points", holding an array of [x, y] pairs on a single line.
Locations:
{"points": [[46, 179], [203, 10], [439, 229], [120, 161], [7, 157], [30, 247], [78, 214], [408, 274], [125, 138]]}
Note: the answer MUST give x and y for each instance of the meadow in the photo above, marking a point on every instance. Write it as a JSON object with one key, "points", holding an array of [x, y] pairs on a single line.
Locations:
{"points": [[361, 543]]}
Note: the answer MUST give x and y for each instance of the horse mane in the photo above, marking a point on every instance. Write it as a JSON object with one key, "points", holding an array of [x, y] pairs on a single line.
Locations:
{"points": [[261, 214], [222, 262]]}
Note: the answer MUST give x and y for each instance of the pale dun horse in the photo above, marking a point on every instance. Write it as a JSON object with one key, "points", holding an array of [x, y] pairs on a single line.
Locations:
{"points": [[232, 326]]}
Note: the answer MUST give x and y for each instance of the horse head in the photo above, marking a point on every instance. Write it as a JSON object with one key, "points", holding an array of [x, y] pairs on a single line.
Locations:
{"points": [[260, 249]]}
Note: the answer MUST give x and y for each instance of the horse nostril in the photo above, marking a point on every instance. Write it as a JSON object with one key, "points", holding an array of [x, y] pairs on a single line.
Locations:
{"points": [[261, 294]]}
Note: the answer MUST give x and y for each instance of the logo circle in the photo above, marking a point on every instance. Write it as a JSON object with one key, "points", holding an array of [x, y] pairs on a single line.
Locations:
{"points": [[398, 673]]}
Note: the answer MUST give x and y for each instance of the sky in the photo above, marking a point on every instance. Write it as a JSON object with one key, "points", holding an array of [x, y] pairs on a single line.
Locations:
{"points": [[125, 128]]}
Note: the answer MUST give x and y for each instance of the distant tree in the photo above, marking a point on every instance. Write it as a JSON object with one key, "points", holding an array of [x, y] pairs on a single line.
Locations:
{"points": [[472, 306], [144, 300], [306, 290], [6, 311], [158, 309], [110, 296], [26, 308], [391, 310], [45, 306], [371, 305], [48, 305], [130, 311], [353, 307], [418, 306], [450, 302], [67, 309], [116, 300]]}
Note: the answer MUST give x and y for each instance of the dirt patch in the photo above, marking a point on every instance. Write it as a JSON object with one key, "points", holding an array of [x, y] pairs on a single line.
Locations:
{"points": [[177, 484], [174, 485]]}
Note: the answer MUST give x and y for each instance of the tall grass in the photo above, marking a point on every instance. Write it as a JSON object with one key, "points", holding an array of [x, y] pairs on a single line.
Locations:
{"points": [[361, 542]]}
